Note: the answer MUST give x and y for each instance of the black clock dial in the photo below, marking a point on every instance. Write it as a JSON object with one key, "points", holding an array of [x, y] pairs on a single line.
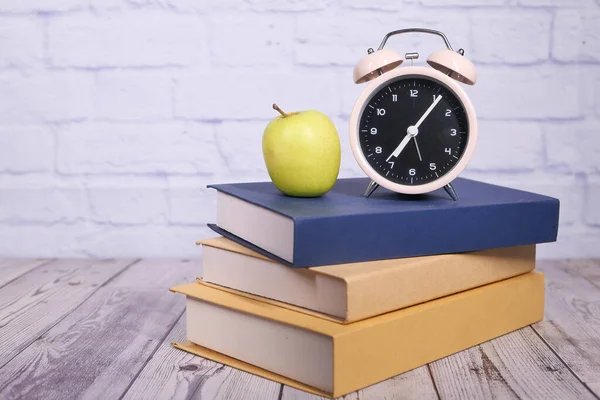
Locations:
{"points": [[413, 131]]}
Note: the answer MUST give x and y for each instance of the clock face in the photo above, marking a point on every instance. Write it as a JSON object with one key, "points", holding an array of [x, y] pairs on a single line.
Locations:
{"points": [[413, 130]]}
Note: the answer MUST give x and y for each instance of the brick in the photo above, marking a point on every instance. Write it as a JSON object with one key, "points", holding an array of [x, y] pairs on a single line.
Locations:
{"points": [[348, 166], [27, 6], [242, 40], [21, 41], [573, 147], [462, 3], [575, 35], [92, 240], [128, 39], [338, 28], [46, 96], [195, 6], [250, 95], [132, 205], [589, 88], [507, 146], [137, 148], [287, 5], [241, 145], [135, 95], [571, 244], [47, 241], [597, 92], [45, 205], [381, 5], [151, 242], [332, 39], [552, 3], [217, 6], [41, 181], [102, 5], [509, 37], [591, 210], [350, 92], [26, 149], [191, 202], [538, 92], [324, 55]]}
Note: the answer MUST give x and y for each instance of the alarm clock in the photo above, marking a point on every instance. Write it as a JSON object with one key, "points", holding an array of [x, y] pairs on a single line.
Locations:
{"points": [[413, 129]]}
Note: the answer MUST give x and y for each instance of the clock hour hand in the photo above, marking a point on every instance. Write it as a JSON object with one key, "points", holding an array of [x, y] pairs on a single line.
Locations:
{"points": [[401, 146]]}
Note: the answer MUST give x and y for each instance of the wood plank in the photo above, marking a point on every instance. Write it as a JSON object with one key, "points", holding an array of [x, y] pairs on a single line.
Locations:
{"points": [[572, 323], [172, 373], [14, 268], [588, 269], [34, 302], [98, 349], [415, 384], [290, 393], [230, 383], [518, 365], [176, 374]]}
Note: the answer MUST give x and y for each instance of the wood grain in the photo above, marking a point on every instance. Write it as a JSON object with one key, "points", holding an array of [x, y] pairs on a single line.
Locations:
{"points": [[515, 366], [290, 393], [101, 346], [176, 374], [415, 384], [12, 269], [587, 269], [34, 302], [172, 373], [235, 384], [571, 326]]}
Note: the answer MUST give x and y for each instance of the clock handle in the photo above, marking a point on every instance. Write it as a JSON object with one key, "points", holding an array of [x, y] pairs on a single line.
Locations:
{"points": [[412, 30]]}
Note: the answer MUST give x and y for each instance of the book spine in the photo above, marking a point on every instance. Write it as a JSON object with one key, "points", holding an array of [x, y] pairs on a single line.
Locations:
{"points": [[356, 238]]}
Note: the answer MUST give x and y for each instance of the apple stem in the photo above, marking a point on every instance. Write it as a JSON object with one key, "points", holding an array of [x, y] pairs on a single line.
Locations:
{"points": [[276, 107]]}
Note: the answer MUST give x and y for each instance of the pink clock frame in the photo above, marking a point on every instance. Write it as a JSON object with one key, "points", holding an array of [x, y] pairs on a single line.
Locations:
{"points": [[384, 79]]}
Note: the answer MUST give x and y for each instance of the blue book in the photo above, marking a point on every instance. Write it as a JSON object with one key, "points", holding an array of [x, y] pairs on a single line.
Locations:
{"points": [[344, 227]]}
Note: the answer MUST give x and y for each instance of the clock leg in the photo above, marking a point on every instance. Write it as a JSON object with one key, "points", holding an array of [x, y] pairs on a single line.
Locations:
{"points": [[371, 188], [450, 190]]}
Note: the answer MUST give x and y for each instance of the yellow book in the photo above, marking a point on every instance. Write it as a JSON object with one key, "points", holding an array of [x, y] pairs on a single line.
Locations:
{"points": [[332, 359], [352, 292]]}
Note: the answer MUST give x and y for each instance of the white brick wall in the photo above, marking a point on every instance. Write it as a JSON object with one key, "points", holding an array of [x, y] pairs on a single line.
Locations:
{"points": [[115, 115]]}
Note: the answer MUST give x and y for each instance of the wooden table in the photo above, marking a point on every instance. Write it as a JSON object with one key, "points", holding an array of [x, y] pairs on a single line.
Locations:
{"points": [[103, 328]]}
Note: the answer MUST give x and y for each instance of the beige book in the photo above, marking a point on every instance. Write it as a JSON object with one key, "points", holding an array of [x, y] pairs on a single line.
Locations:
{"points": [[332, 359], [352, 292]]}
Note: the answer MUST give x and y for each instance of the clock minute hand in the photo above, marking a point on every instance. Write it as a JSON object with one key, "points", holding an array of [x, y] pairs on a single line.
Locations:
{"points": [[431, 107], [413, 130]]}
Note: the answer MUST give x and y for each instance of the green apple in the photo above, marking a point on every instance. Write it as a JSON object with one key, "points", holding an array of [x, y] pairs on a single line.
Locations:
{"points": [[302, 153]]}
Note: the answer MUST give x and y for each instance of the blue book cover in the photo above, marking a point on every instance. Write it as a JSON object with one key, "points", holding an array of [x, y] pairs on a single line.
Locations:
{"points": [[345, 227]]}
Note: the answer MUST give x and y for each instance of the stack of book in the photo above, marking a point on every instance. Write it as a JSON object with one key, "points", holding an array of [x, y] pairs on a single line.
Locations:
{"points": [[333, 294]]}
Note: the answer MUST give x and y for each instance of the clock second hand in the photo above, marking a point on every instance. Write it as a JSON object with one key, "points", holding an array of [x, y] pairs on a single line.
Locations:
{"points": [[418, 151]]}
